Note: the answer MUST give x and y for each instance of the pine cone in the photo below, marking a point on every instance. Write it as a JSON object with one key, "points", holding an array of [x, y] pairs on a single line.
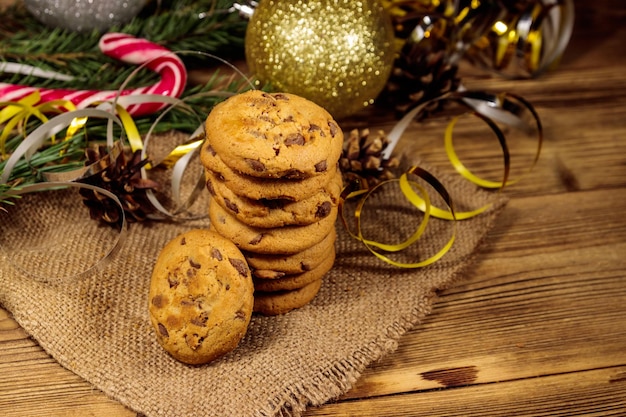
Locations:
{"points": [[422, 71], [122, 177], [362, 158]]}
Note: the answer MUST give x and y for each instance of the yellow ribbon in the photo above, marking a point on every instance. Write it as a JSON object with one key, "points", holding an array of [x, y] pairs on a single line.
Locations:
{"points": [[15, 114], [418, 199], [180, 151], [132, 133], [506, 108]]}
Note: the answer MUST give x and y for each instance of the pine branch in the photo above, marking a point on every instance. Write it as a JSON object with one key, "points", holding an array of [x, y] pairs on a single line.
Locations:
{"points": [[204, 25], [63, 156], [179, 25]]}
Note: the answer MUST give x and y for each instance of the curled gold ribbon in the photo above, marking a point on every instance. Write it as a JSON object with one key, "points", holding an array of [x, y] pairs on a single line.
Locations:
{"points": [[526, 42], [14, 114], [492, 109], [505, 108], [419, 199]]}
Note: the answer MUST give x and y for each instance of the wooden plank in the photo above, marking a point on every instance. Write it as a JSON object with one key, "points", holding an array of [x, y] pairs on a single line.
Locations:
{"points": [[546, 297], [501, 332], [520, 314], [33, 384], [536, 327], [598, 392], [584, 133]]}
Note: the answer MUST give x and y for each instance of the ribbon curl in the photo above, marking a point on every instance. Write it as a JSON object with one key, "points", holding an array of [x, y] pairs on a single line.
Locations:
{"points": [[419, 200], [492, 109]]}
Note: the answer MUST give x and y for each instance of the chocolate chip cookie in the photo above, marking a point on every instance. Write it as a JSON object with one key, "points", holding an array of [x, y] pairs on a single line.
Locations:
{"points": [[294, 281], [285, 240], [276, 212], [281, 302], [274, 265], [201, 296], [264, 188], [276, 135]]}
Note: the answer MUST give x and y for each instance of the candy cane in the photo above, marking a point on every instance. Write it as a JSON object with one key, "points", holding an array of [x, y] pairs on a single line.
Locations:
{"points": [[127, 49]]}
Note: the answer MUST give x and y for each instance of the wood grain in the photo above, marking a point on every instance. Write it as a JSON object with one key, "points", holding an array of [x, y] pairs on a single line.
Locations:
{"points": [[536, 326], [598, 392]]}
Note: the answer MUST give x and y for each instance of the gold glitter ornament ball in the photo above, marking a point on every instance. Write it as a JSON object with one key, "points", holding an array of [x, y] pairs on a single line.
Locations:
{"points": [[336, 53]]}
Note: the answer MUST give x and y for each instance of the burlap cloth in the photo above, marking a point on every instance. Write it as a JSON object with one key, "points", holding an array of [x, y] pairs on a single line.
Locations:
{"points": [[96, 324]]}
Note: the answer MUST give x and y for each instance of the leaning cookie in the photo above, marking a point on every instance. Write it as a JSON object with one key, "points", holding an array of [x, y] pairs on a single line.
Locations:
{"points": [[264, 188], [276, 213], [285, 240], [281, 302], [201, 297], [276, 135]]}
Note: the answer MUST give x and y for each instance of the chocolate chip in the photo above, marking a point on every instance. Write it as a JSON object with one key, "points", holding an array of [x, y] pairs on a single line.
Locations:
{"points": [[211, 150], [172, 281], [220, 176], [240, 315], [256, 240], [280, 96], [257, 166], [321, 166], [209, 186], [240, 265], [158, 301], [294, 174], [323, 210], [289, 119], [305, 267], [273, 203], [201, 319], [333, 128], [316, 128], [269, 101], [163, 330], [227, 287], [194, 341], [231, 206], [216, 254], [194, 264], [183, 241], [257, 134], [295, 139]]}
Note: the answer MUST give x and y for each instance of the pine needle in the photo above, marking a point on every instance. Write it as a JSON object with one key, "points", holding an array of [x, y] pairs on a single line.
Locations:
{"points": [[205, 26]]}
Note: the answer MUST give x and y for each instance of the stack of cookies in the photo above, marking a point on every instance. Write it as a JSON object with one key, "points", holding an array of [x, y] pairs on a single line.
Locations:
{"points": [[271, 168]]}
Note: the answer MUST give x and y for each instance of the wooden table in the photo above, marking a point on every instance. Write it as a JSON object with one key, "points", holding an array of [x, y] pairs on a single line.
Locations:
{"points": [[538, 324]]}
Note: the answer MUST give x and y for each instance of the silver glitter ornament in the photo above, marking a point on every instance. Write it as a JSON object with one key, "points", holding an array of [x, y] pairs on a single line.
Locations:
{"points": [[84, 15]]}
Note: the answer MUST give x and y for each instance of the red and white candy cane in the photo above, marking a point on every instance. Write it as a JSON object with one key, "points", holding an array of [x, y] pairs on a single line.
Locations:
{"points": [[127, 49]]}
